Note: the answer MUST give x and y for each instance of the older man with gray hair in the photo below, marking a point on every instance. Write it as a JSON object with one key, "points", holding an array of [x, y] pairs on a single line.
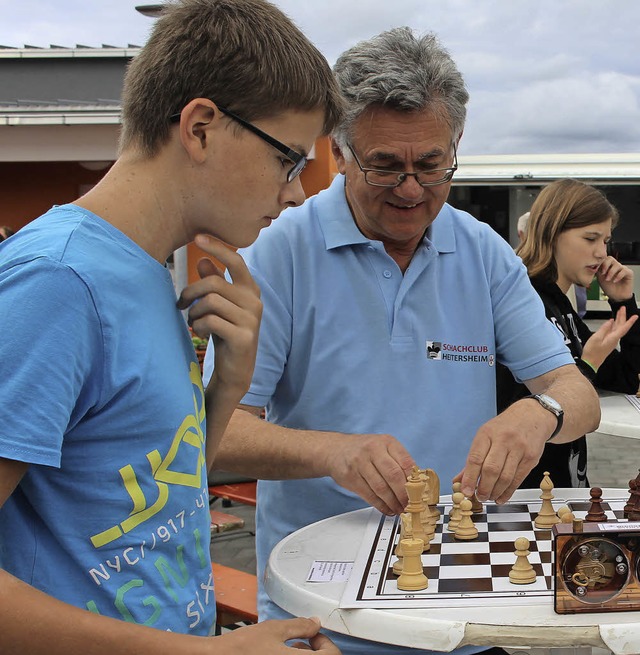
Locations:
{"points": [[385, 310], [522, 226]]}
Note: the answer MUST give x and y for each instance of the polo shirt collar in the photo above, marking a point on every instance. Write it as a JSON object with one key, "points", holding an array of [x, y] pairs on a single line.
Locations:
{"points": [[335, 217], [441, 233], [339, 228]]}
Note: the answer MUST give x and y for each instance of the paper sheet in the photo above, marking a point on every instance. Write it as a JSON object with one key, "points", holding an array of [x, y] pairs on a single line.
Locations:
{"points": [[324, 571]]}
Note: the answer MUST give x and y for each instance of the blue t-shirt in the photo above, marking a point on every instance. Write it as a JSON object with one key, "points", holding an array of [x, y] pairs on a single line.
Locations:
{"points": [[102, 395], [350, 344]]}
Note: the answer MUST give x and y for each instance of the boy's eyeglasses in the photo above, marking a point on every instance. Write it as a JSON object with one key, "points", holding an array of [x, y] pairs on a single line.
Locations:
{"points": [[299, 161]]}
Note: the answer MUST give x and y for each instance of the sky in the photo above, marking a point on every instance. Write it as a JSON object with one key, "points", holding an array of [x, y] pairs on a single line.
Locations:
{"points": [[545, 76]]}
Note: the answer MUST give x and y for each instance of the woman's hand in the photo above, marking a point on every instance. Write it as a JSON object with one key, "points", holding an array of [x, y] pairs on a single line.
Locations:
{"points": [[615, 279], [606, 339]]}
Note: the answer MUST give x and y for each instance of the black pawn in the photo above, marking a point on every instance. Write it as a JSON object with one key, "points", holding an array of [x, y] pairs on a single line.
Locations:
{"points": [[634, 501], [596, 513], [633, 486]]}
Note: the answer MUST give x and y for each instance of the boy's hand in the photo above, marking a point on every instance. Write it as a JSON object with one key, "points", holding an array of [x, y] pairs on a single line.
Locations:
{"points": [[230, 312], [269, 637]]}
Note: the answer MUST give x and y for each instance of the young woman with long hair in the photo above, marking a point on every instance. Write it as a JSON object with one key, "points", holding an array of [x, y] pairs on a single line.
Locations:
{"points": [[565, 243]]}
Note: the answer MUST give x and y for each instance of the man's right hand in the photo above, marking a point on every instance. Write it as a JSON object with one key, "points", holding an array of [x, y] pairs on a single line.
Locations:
{"points": [[373, 466], [269, 637]]}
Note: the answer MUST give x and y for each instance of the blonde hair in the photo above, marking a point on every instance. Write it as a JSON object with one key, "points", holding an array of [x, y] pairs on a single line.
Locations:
{"points": [[562, 205], [245, 55]]}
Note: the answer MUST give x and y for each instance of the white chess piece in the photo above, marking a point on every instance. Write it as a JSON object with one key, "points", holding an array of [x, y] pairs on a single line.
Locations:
{"points": [[522, 572], [547, 516], [412, 577], [466, 530], [454, 514]]}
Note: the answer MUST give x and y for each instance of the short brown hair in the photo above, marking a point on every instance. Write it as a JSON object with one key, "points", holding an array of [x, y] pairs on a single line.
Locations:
{"points": [[562, 205], [245, 55]]}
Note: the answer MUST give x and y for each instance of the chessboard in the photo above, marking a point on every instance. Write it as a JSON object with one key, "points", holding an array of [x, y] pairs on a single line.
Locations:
{"points": [[634, 400], [464, 573]]}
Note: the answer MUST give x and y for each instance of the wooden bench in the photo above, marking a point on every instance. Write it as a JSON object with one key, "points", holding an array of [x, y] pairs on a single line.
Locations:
{"points": [[241, 492], [223, 522], [236, 596]]}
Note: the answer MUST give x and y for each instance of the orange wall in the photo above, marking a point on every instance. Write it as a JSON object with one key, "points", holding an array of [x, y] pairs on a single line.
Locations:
{"points": [[29, 189], [321, 170]]}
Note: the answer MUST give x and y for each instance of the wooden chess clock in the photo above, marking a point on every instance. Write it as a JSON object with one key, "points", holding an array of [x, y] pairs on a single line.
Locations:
{"points": [[596, 567]]}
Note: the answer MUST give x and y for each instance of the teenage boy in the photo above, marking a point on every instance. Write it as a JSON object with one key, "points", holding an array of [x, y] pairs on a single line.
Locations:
{"points": [[103, 465]]}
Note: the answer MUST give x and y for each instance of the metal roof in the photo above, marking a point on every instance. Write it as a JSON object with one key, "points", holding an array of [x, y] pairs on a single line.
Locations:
{"points": [[60, 112], [533, 169], [62, 86], [57, 51]]}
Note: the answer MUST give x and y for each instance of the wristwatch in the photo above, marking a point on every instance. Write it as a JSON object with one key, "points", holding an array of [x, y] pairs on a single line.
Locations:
{"points": [[552, 406]]}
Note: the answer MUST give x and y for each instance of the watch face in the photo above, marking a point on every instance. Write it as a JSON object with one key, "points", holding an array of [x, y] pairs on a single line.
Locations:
{"points": [[552, 404]]}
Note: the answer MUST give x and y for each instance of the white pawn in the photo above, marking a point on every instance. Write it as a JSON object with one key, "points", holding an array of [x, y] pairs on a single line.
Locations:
{"points": [[454, 514], [466, 530], [565, 515], [522, 572], [456, 487]]}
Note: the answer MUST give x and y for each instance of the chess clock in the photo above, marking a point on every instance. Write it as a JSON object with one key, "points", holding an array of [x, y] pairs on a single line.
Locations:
{"points": [[596, 567]]}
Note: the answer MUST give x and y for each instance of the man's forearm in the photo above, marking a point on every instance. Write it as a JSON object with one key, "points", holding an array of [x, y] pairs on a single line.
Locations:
{"points": [[254, 447], [579, 401]]}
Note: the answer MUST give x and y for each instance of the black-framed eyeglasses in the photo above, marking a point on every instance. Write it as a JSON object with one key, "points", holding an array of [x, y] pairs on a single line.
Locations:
{"points": [[391, 179], [299, 161]]}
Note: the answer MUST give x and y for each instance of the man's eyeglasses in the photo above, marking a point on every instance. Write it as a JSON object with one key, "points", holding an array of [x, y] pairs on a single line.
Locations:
{"points": [[299, 161], [391, 179]]}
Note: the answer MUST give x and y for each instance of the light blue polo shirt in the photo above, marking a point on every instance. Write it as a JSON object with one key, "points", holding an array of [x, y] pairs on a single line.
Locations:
{"points": [[350, 344]]}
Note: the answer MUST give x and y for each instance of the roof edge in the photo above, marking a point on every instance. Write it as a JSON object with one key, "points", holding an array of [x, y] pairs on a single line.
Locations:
{"points": [[79, 52]]}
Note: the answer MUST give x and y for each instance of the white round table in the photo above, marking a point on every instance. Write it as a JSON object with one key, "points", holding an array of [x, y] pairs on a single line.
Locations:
{"points": [[437, 628], [618, 417]]}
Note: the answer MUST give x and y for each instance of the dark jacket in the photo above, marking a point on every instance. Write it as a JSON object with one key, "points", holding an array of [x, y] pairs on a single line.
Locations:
{"points": [[567, 463]]}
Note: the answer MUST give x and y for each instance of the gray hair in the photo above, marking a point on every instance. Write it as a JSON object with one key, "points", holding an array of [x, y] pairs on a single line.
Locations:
{"points": [[523, 222], [400, 71]]}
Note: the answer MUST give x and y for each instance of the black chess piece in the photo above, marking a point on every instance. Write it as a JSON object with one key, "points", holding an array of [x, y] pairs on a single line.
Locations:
{"points": [[596, 513], [634, 501], [633, 485]]}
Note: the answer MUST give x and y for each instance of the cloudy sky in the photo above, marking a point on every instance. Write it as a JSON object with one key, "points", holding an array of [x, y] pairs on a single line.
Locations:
{"points": [[544, 75]]}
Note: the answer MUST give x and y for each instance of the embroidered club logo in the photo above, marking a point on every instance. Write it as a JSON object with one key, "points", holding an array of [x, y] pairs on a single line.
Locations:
{"points": [[434, 349], [460, 353]]}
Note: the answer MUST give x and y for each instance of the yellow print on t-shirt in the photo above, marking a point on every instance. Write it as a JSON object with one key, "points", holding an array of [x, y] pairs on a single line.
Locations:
{"points": [[188, 435]]}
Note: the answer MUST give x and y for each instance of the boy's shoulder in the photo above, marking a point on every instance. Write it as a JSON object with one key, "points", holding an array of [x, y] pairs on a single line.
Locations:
{"points": [[68, 235]]}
